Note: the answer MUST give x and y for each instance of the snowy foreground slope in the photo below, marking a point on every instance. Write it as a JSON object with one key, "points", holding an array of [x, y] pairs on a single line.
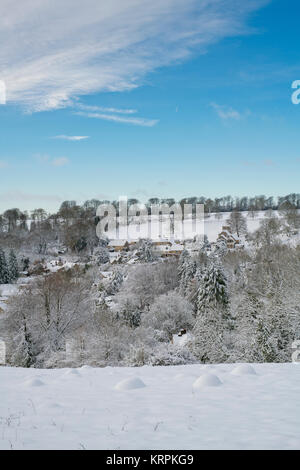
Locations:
{"points": [[184, 407]]}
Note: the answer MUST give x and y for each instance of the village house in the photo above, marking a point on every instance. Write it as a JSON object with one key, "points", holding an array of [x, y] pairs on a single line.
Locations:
{"points": [[161, 242], [162, 247], [172, 249], [118, 245], [227, 236]]}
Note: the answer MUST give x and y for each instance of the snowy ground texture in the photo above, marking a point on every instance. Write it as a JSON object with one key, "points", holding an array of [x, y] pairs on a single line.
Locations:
{"points": [[186, 407]]}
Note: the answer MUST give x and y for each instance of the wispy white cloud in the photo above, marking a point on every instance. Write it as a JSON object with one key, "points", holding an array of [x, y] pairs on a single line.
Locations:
{"points": [[74, 138], [53, 51], [57, 162], [226, 113], [115, 115], [2, 92], [85, 107], [121, 119]]}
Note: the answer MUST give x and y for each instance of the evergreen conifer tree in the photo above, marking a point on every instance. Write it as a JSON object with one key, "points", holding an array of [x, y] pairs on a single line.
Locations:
{"points": [[4, 272], [211, 339], [13, 266], [186, 270], [145, 252], [264, 343], [212, 291]]}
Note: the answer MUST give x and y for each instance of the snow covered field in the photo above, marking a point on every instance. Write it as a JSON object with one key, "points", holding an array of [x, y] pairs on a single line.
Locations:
{"points": [[212, 227], [185, 407]]}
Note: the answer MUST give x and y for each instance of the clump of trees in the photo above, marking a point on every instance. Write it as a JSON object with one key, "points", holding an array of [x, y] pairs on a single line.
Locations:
{"points": [[41, 317], [241, 305], [237, 223]]}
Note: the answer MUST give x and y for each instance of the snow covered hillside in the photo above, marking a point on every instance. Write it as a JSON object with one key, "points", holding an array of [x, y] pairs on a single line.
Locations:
{"points": [[185, 407], [212, 226]]}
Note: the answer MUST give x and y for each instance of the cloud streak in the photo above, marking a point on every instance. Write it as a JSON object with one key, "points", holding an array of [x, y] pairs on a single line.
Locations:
{"points": [[85, 107], [115, 115], [226, 113], [52, 51], [120, 119], [72, 138]]}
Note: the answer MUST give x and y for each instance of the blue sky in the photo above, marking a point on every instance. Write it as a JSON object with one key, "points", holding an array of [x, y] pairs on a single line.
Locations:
{"points": [[157, 98]]}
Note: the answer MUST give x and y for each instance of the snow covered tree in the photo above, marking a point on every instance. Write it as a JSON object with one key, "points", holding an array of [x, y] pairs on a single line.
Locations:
{"points": [[221, 248], [23, 355], [19, 325], [264, 347], [204, 244], [166, 354], [4, 271], [25, 264], [115, 283], [145, 251], [102, 255], [212, 331], [145, 282], [247, 312], [265, 325], [237, 223], [182, 260], [130, 314], [283, 326], [212, 291], [108, 339], [103, 242], [13, 266], [169, 313], [268, 231], [137, 356], [186, 271], [291, 214], [211, 341], [275, 333], [184, 256]]}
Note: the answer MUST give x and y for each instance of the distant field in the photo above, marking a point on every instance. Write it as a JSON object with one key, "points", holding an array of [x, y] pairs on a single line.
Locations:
{"points": [[212, 226]]}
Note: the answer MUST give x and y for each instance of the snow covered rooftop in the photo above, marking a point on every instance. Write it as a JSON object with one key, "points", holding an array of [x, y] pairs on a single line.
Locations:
{"points": [[173, 247], [113, 243]]}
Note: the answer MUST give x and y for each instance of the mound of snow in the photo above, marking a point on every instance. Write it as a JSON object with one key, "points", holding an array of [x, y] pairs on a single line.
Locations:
{"points": [[35, 383], [130, 384], [244, 369], [72, 372], [207, 380]]}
